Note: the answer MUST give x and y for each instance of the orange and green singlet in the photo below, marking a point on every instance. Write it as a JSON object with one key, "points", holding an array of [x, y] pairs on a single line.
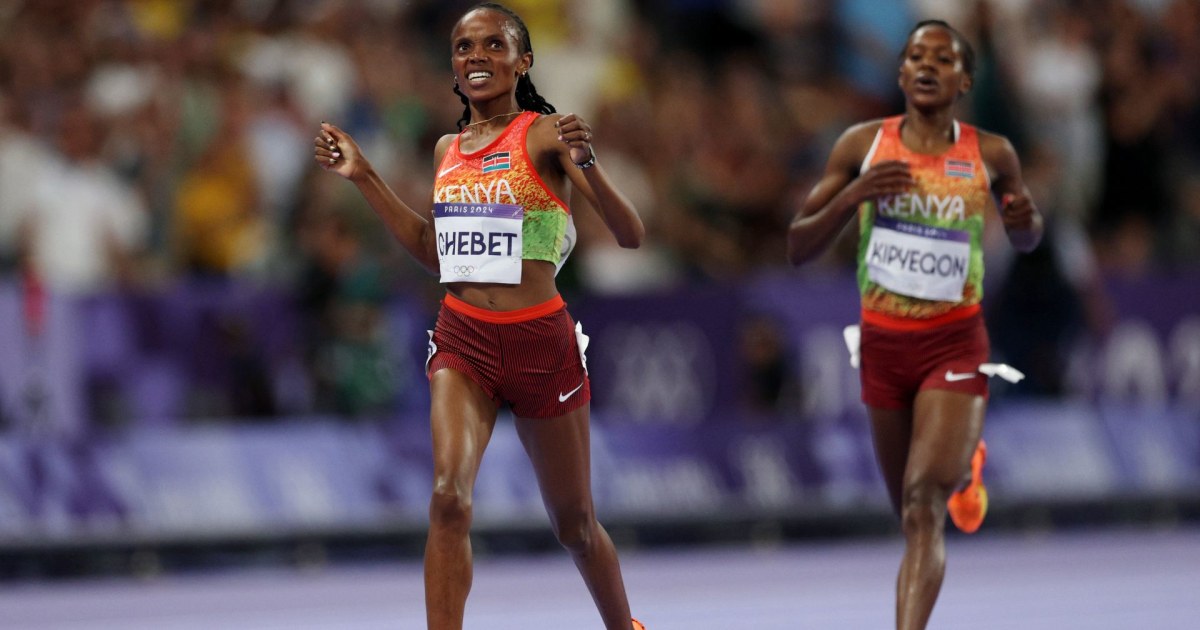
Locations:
{"points": [[500, 175], [920, 258]]}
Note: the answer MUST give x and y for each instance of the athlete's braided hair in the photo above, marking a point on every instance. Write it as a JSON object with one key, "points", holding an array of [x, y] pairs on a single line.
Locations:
{"points": [[964, 47], [528, 98]]}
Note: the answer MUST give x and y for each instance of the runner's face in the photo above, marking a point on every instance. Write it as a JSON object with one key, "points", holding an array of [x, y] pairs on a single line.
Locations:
{"points": [[931, 73], [486, 55]]}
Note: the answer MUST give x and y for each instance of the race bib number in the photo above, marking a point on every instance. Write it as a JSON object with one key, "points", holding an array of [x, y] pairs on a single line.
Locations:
{"points": [[919, 261], [479, 242]]}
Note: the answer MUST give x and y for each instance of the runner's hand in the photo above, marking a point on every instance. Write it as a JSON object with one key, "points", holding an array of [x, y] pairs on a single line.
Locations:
{"points": [[885, 178], [576, 134], [1017, 212], [336, 151]]}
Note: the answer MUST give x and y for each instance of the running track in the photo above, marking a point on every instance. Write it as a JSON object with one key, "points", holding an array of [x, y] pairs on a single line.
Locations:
{"points": [[1104, 580]]}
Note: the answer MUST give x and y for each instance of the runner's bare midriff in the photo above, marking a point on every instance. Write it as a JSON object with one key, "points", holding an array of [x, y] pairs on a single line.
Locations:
{"points": [[537, 286]]}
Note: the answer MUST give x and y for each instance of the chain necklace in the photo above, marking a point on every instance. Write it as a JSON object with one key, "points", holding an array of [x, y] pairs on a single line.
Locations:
{"points": [[494, 118]]}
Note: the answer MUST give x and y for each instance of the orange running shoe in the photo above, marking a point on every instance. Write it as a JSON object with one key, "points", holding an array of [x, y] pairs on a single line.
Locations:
{"points": [[637, 625], [968, 506]]}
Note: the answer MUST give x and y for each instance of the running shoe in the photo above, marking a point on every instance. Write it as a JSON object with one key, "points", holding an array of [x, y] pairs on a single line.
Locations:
{"points": [[968, 506], [637, 625]]}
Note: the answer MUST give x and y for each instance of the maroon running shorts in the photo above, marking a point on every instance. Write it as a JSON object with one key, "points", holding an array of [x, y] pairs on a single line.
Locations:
{"points": [[528, 358], [896, 364]]}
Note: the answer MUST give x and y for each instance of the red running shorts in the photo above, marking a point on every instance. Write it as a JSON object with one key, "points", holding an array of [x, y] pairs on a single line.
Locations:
{"points": [[529, 358], [896, 364]]}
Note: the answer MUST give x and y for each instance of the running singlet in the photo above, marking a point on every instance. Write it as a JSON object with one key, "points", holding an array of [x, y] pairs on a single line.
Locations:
{"points": [[492, 209], [919, 254]]}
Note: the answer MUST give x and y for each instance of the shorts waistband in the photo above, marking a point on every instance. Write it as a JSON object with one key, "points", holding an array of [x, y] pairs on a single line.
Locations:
{"points": [[908, 324], [505, 317]]}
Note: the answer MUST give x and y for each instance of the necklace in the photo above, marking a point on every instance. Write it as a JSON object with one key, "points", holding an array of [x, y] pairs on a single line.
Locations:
{"points": [[494, 118]]}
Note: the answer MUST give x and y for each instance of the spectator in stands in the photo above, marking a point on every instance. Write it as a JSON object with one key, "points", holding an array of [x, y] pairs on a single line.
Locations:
{"points": [[342, 293], [219, 225], [22, 158], [84, 228]]}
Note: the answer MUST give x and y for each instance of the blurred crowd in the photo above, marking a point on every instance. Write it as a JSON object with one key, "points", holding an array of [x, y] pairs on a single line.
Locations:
{"points": [[143, 142]]}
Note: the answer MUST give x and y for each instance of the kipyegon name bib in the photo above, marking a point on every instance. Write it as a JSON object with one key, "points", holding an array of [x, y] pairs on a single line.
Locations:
{"points": [[920, 261], [479, 242]]}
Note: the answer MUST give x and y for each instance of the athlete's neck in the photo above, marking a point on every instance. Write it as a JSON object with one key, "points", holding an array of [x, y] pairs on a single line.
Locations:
{"points": [[490, 116], [927, 132]]}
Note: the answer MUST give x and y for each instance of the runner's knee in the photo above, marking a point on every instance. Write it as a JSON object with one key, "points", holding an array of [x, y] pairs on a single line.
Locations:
{"points": [[923, 505], [450, 506], [573, 529]]}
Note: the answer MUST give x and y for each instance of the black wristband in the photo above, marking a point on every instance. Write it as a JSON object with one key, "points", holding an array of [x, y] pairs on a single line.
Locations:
{"points": [[589, 163]]}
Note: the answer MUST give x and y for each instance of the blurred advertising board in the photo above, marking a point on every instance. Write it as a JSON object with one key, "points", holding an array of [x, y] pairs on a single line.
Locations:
{"points": [[674, 433]]}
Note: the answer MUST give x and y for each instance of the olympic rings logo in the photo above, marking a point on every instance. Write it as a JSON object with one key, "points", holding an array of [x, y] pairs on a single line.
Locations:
{"points": [[463, 271]]}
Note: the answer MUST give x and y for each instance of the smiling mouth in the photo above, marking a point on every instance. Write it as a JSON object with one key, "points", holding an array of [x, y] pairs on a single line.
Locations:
{"points": [[477, 77], [926, 83]]}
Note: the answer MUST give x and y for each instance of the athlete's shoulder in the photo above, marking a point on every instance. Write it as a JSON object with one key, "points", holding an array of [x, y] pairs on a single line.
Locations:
{"points": [[998, 152], [863, 131], [541, 141], [443, 145], [862, 135], [542, 128], [854, 143], [543, 122], [990, 141]]}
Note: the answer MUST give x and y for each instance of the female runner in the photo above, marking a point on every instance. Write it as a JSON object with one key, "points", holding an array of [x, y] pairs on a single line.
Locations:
{"points": [[498, 232], [921, 184]]}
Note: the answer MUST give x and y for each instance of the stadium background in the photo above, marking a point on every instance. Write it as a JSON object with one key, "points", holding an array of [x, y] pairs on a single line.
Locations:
{"points": [[217, 361]]}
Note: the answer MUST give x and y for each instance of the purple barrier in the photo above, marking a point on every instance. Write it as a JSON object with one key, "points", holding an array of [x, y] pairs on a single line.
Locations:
{"points": [[1162, 301], [1152, 354], [667, 358], [322, 475], [41, 376], [734, 469], [673, 431], [689, 357], [190, 351]]}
